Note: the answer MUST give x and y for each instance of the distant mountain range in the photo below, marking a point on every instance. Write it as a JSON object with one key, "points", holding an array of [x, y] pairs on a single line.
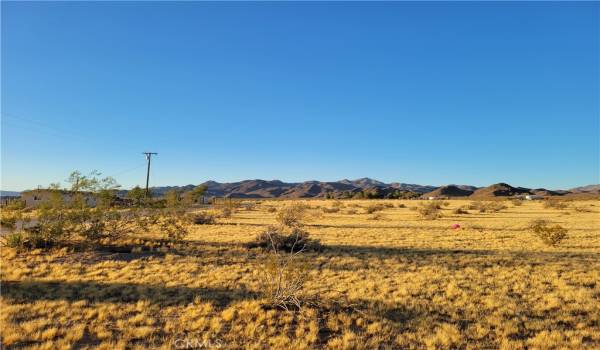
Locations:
{"points": [[307, 189], [349, 188], [9, 194]]}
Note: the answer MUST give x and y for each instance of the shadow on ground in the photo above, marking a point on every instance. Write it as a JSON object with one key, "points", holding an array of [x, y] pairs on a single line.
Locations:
{"points": [[91, 291]]}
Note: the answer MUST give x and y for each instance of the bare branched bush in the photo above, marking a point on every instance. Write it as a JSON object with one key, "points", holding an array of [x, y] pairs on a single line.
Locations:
{"points": [[550, 234], [285, 271], [282, 280]]}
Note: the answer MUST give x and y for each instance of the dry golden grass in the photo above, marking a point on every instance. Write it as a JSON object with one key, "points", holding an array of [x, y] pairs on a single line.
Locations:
{"points": [[399, 282]]}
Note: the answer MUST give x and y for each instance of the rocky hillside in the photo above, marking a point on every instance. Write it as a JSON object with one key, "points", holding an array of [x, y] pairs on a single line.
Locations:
{"points": [[450, 191], [366, 188]]}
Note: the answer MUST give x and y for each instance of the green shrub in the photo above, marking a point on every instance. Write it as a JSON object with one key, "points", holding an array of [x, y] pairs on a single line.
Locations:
{"points": [[550, 234], [15, 239]]}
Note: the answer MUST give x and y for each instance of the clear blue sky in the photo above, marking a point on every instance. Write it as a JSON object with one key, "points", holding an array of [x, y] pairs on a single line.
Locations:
{"points": [[429, 93]]}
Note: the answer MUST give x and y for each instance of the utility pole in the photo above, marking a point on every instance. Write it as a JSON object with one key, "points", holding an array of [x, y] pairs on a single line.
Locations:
{"points": [[148, 158]]}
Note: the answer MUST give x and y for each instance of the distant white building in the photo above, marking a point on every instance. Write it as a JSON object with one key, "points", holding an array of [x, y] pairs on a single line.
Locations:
{"points": [[531, 197]]}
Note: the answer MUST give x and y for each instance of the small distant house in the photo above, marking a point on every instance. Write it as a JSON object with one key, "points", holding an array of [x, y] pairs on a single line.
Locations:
{"points": [[432, 198], [531, 197], [34, 198]]}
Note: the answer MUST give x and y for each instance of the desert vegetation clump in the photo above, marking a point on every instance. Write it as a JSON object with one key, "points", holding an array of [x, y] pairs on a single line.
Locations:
{"points": [[338, 204], [281, 239], [15, 205], [516, 202], [376, 216], [374, 207], [582, 209], [291, 215], [250, 206], [555, 204], [8, 220], [401, 205], [226, 212], [487, 207], [351, 212], [203, 218], [460, 210], [330, 210], [550, 234], [430, 211]]}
